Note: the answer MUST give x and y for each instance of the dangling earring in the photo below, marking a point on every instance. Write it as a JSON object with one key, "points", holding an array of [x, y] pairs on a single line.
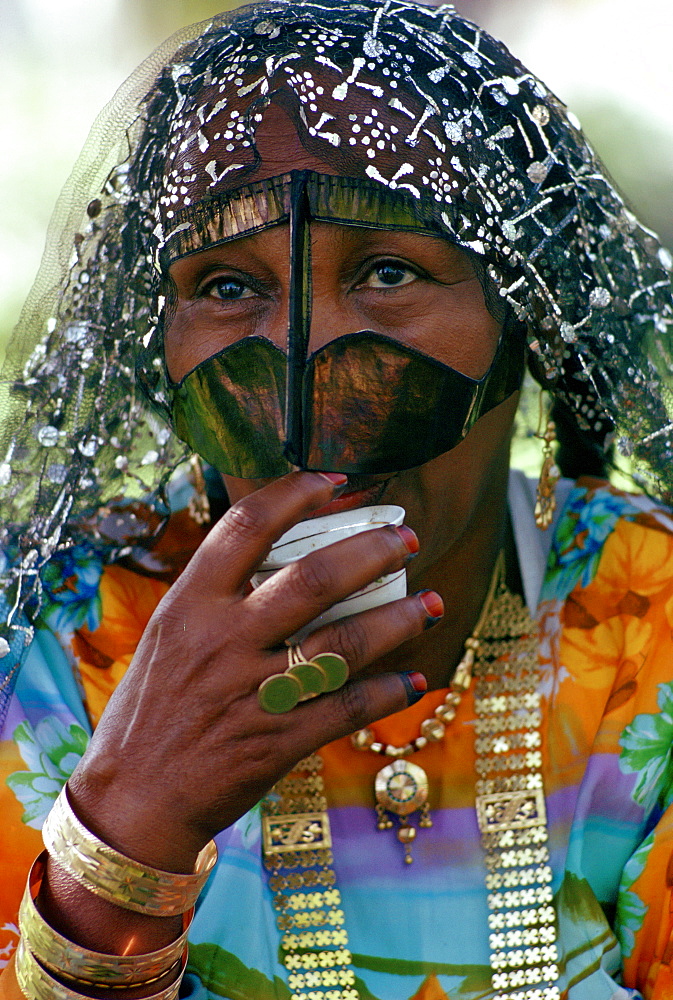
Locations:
{"points": [[549, 476], [199, 504]]}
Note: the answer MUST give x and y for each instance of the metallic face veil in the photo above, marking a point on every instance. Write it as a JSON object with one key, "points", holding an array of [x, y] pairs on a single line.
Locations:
{"points": [[412, 98], [363, 402]]}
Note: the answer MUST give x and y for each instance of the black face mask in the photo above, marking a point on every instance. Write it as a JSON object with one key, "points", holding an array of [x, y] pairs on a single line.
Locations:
{"points": [[362, 403]]}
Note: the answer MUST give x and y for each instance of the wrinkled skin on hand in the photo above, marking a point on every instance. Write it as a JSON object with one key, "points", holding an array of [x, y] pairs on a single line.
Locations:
{"points": [[185, 725]]}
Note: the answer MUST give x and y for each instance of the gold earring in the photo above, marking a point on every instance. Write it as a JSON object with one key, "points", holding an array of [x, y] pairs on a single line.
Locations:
{"points": [[199, 504], [545, 504]]}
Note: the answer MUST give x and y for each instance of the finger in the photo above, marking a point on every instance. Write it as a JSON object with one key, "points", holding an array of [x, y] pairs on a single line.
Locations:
{"points": [[242, 538], [363, 638], [352, 707], [368, 635], [298, 593]]}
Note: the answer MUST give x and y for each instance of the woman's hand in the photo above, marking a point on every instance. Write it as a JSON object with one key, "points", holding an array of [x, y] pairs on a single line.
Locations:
{"points": [[184, 748]]}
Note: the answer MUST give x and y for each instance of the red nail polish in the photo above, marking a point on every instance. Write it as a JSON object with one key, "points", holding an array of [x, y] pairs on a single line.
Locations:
{"points": [[433, 604], [335, 478], [415, 686], [418, 681], [408, 537]]}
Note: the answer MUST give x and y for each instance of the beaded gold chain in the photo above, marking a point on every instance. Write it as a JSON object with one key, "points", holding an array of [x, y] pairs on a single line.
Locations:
{"points": [[511, 813], [402, 788]]}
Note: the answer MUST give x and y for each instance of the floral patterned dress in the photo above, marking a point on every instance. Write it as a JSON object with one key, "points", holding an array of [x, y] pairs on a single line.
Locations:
{"points": [[606, 656]]}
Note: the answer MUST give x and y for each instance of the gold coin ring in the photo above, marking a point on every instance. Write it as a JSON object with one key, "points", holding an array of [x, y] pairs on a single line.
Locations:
{"points": [[279, 693]]}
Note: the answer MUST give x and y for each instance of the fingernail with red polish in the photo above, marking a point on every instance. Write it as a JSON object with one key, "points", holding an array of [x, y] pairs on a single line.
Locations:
{"points": [[335, 478], [408, 537], [415, 685], [433, 605]]}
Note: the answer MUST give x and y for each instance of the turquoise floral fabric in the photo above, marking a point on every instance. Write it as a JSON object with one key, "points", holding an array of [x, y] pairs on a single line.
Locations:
{"points": [[419, 932]]}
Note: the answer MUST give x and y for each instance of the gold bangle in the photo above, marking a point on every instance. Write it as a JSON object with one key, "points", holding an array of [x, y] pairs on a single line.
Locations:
{"points": [[62, 957], [116, 878], [37, 984]]}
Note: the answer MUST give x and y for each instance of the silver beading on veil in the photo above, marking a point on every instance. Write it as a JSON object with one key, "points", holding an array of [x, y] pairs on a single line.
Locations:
{"points": [[494, 160]]}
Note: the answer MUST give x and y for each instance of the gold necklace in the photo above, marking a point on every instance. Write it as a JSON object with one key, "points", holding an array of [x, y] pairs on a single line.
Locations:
{"points": [[511, 813], [511, 807], [401, 788]]}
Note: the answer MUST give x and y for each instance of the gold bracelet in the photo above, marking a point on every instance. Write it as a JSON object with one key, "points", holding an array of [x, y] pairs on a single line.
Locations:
{"points": [[64, 958], [37, 984], [116, 878]]}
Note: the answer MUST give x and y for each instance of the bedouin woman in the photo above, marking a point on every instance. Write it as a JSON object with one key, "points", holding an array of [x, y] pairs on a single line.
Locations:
{"points": [[315, 245]]}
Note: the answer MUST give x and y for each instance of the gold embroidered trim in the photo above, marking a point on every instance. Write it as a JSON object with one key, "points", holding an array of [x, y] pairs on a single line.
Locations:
{"points": [[297, 854], [511, 808], [512, 819]]}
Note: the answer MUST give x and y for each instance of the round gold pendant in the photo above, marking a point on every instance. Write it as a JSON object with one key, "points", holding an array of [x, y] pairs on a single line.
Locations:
{"points": [[401, 788]]}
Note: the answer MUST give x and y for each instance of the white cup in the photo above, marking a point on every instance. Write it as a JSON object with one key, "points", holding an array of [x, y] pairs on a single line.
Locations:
{"points": [[308, 536]]}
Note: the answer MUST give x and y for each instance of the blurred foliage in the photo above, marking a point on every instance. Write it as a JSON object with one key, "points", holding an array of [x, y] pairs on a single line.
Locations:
{"points": [[60, 63], [639, 156], [170, 15]]}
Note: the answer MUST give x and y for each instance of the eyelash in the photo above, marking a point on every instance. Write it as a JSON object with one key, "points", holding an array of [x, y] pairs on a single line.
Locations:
{"points": [[367, 272], [206, 290], [395, 264]]}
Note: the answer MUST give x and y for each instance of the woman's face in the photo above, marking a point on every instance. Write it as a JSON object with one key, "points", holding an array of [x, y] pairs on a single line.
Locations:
{"points": [[419, 290]]}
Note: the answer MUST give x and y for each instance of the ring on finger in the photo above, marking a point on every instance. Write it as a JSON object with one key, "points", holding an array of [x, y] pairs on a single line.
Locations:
{"points": [[333, 665], [303, 679], [311, 676], [278, 693]]}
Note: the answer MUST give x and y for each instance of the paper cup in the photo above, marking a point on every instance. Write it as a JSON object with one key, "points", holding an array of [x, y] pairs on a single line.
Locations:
{"points": [[308, 536]]}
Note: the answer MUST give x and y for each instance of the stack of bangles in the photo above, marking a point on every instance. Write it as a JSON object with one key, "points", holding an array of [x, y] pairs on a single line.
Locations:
{"points": [[50, 967]]}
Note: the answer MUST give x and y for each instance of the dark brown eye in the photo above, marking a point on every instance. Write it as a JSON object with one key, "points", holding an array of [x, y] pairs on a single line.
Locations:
{"points": [[228, 289], [390, 274]]}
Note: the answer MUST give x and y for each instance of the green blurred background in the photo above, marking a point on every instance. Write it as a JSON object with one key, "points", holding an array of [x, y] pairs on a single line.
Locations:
{"points": [[61, 60]]}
